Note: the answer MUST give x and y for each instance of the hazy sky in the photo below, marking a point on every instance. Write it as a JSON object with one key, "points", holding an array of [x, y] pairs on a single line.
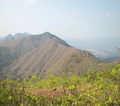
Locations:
{"points": [[68, 19]]}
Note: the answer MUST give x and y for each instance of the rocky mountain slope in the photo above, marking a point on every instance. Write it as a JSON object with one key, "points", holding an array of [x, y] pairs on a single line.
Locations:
{"points": [[15, 48], [43, 54]]}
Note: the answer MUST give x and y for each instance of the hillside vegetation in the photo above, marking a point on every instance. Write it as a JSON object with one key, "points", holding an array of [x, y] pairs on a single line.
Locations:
{"points": [[94, 89]]}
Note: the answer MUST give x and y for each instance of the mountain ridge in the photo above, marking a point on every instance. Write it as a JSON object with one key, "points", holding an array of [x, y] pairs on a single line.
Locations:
{"points": [[18, 47], [42, 54], [16, 36]]}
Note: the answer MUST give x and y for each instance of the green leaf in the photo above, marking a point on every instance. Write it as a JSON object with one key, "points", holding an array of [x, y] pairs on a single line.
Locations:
{"points": [[54, 89], [21, 104], [10, 97]]}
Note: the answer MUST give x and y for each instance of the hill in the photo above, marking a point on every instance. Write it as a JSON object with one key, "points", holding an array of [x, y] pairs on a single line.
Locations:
{"points": [[15, 48], [20, 35], [9, 37], [43, 54], [108, 59], [16, 36]]}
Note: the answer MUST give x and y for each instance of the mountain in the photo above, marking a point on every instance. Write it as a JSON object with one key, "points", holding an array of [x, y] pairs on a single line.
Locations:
{"points": [[9, 37], [16, 36], [108, 59], [15, 48], [20, 35], [42, 54]]}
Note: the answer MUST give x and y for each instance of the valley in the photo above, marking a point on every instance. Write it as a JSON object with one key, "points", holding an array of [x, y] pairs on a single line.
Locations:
{"points": [[103, 48]]}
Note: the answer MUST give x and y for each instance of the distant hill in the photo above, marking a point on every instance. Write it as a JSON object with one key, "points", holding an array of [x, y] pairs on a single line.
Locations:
{"points": [[108, 59], [21, 35], [42, 54], [9, 37], [16, 36]]}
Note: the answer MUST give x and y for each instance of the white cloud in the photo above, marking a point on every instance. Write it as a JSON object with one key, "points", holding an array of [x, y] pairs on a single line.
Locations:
{"points": [[27, 2]]}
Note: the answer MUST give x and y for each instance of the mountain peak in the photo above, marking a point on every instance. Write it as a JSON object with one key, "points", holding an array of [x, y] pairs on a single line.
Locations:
{"points": [[47, 33], [21, 35], [54, 36], [9, 35]]}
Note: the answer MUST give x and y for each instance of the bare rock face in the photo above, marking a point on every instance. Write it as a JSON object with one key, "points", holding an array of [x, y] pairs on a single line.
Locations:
{"points": [[40, 55]]}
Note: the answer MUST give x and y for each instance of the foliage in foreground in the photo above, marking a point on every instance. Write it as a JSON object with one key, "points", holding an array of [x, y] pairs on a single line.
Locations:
{"points": [[101, 89]]}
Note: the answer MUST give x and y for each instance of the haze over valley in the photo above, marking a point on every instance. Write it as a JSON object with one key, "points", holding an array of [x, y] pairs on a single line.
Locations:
{"points": [[104, 49]]}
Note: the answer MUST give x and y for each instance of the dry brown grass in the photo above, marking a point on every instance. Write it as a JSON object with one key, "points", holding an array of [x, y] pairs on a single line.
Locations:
{"points": [[50, 56]]}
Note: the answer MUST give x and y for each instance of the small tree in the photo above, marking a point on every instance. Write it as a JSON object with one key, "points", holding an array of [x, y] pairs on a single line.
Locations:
{"points": [[92, 76]]}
